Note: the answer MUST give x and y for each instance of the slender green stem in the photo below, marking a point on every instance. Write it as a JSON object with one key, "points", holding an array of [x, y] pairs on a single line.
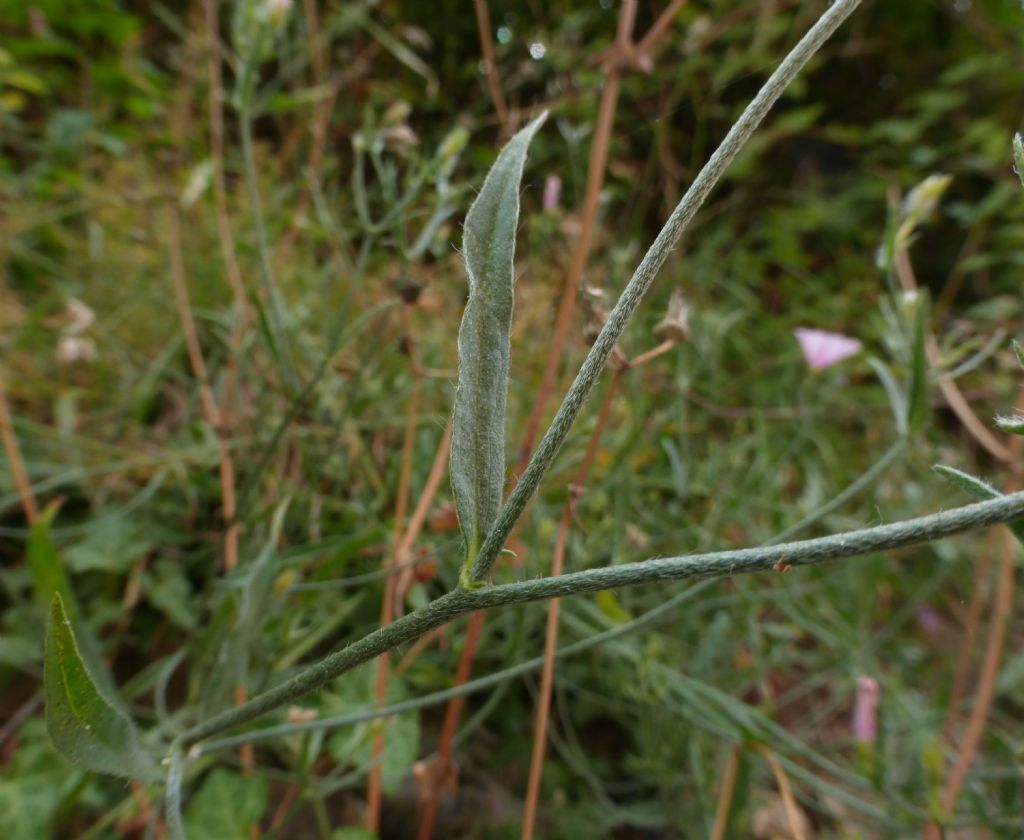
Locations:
{"points": [[644, 276], [470, 687], [175, 778], [697, 566], [865, 480], [275, 309]]}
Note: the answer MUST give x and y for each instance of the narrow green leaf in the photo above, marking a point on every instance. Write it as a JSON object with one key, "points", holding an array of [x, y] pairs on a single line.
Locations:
{"points": [[83, 724], [1012, 424], [977, 487], [981, 490], [478, 442], [1019, 351], [1018, 156], [897, 401], [48, 575], [917, 410]]}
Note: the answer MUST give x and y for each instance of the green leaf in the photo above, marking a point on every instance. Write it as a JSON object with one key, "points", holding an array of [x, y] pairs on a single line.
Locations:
{"points": [[112, 544], [353, 832], [83, 724], [49, 578], [226, 807], [1018, 156], [1012, 424], [167, 589], [48, 575], [981, 490], [354, 746], [478, 442], [1019, 351], [33, 784], [917, 410]]}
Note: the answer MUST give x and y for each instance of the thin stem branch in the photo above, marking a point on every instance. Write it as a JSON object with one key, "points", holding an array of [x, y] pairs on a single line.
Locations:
{"points": [[725, 796], [211, 411], [227, 243], [275, 308], [374, 788], [479, 684], [483, 26], [595, 182], [697, 566], [950, 392], [660, 27], [837, 501], [1002, 613], [16, 462], [644, 277], [795, 817], [547, 681]]}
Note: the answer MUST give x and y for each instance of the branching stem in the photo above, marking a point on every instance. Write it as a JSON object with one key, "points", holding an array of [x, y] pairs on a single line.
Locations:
{"points": [[644, 276], [697, 566]]}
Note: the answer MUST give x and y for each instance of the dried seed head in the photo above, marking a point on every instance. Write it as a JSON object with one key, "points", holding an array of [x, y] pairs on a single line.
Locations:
{"points": [[675, 326]]}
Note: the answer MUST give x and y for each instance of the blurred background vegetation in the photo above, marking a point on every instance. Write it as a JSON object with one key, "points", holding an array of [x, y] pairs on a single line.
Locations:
{"points": [[350, 150]]}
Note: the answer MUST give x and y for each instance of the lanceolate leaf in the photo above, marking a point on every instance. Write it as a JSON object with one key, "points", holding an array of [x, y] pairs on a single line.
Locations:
{"points": [[82, 723], [478, 442], [981, 490], [49, 578]]}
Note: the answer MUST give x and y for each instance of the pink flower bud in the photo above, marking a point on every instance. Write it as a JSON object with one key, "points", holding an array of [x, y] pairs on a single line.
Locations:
{"points": [[552, 192], [865, 710], [823, 349]]}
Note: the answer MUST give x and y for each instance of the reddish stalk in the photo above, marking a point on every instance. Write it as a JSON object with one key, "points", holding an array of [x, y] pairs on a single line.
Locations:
{"points": [[18, 471], [793, 813], [950, 392], [483, 28], [967, 647], [1002, 613], [227, 242], [229, 256], [211, 412], [540, 726], [540, 729], [1002, 608], [373, 791], [624, 53], [394, 588], [321, 120], [595, 182], [443, 771], [724, 808]]}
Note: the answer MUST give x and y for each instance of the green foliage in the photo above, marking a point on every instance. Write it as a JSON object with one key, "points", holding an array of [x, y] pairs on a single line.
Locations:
{"points": [[226, 806], [725, 441], [83, 724], [478, 435]]}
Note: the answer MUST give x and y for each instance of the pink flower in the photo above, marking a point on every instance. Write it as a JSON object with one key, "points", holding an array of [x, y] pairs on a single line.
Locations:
{"points": [[823, 349], [552, 192], [865, 710]]}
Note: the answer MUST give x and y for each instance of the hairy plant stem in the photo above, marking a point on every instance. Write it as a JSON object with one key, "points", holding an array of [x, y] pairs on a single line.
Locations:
{"points": [[479, 684], [644, 277], [697, 566]]}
